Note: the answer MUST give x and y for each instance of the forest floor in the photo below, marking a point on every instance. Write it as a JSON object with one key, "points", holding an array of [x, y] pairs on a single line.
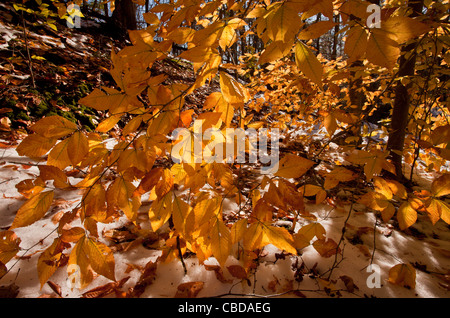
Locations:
{"points": [[67, 65]]}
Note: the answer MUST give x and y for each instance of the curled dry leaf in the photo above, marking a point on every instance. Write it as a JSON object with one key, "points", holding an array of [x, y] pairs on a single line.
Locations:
{"points": [[189, 290]]}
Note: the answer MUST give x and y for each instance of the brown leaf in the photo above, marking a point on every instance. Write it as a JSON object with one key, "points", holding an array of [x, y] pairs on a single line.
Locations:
{"points": [[9, 291], [219, 273], [189, 290], [55, 287], [105, 290], [237, 271], [147, 278], [349, 284], [326, 248], [9, 246]]}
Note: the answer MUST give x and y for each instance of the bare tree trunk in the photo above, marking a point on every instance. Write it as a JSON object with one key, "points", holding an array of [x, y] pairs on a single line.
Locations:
{"points": [[125, 14], [317, 44], [399, 120], [335, 38]]}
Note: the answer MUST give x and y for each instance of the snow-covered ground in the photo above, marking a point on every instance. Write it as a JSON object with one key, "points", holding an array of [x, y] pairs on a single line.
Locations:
{"points": [[427, 247]]}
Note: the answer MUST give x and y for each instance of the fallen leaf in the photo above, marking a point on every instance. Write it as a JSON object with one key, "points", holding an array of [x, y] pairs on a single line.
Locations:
{"points": [[326, 247], [189, 290], [403, 275], [219, 273], [349, 284], [9, 291], [147, 277], [105, 290]]}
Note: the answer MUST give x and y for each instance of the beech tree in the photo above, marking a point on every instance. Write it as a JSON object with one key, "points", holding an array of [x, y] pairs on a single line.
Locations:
{"points": [[283, 84]]}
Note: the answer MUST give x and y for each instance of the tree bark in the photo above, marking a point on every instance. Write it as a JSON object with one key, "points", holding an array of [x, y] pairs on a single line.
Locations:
{"points": [[125, 14], [400, 112]]}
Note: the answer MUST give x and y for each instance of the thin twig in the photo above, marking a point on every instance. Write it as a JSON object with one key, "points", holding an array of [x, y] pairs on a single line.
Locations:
{"points": [[335, 263]]}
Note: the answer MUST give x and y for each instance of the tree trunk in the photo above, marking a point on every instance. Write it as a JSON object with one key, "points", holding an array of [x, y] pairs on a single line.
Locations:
{"points": [[335, 38], [399, 120], [125, 14], [317, 44]]}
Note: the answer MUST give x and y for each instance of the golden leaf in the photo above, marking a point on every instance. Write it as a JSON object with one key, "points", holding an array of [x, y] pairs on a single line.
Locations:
{"points": [[382, 49], [406, 215], [293, 166], [9, 246], [54, 127], [77, 147], [34, 146], [308, 63], [33, 209], [403, 275]]}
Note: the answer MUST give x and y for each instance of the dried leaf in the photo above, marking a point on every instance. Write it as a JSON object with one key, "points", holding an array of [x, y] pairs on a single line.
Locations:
{"points": [[189, 290]]}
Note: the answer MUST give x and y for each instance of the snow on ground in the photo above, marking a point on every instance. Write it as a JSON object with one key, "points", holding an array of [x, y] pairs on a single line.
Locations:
{"points": [[427, 247]]}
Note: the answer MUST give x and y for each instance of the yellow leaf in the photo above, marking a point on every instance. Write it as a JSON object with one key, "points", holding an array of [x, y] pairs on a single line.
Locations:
{"points": [[59, 156], [54, 127], [441, 134], [108, 123], [403, 275], [397, 189], [77, 147], [382, 49], [165, 184], [338, 174], [382, 187], [330, 124], [254, 238], [33, 209], [34, 146], [315, 30], [312, 230], [356, 43], [388, 213], [160, 211], [238, 230], [309, 190], [53, 173], [89, 256], [405, 28], [308, 63], [373, 161], [406, 215], [441, 186], [227, 37], [50, 260], [101, 258], [293, 166], [150, 17], [179, 214], [94, 200], [220, 241], [120, 195], [9, 246], [117, 102], [181, 35], [280, 237], [437, 209], [275, 51], [233, 92], [283, 23]]}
